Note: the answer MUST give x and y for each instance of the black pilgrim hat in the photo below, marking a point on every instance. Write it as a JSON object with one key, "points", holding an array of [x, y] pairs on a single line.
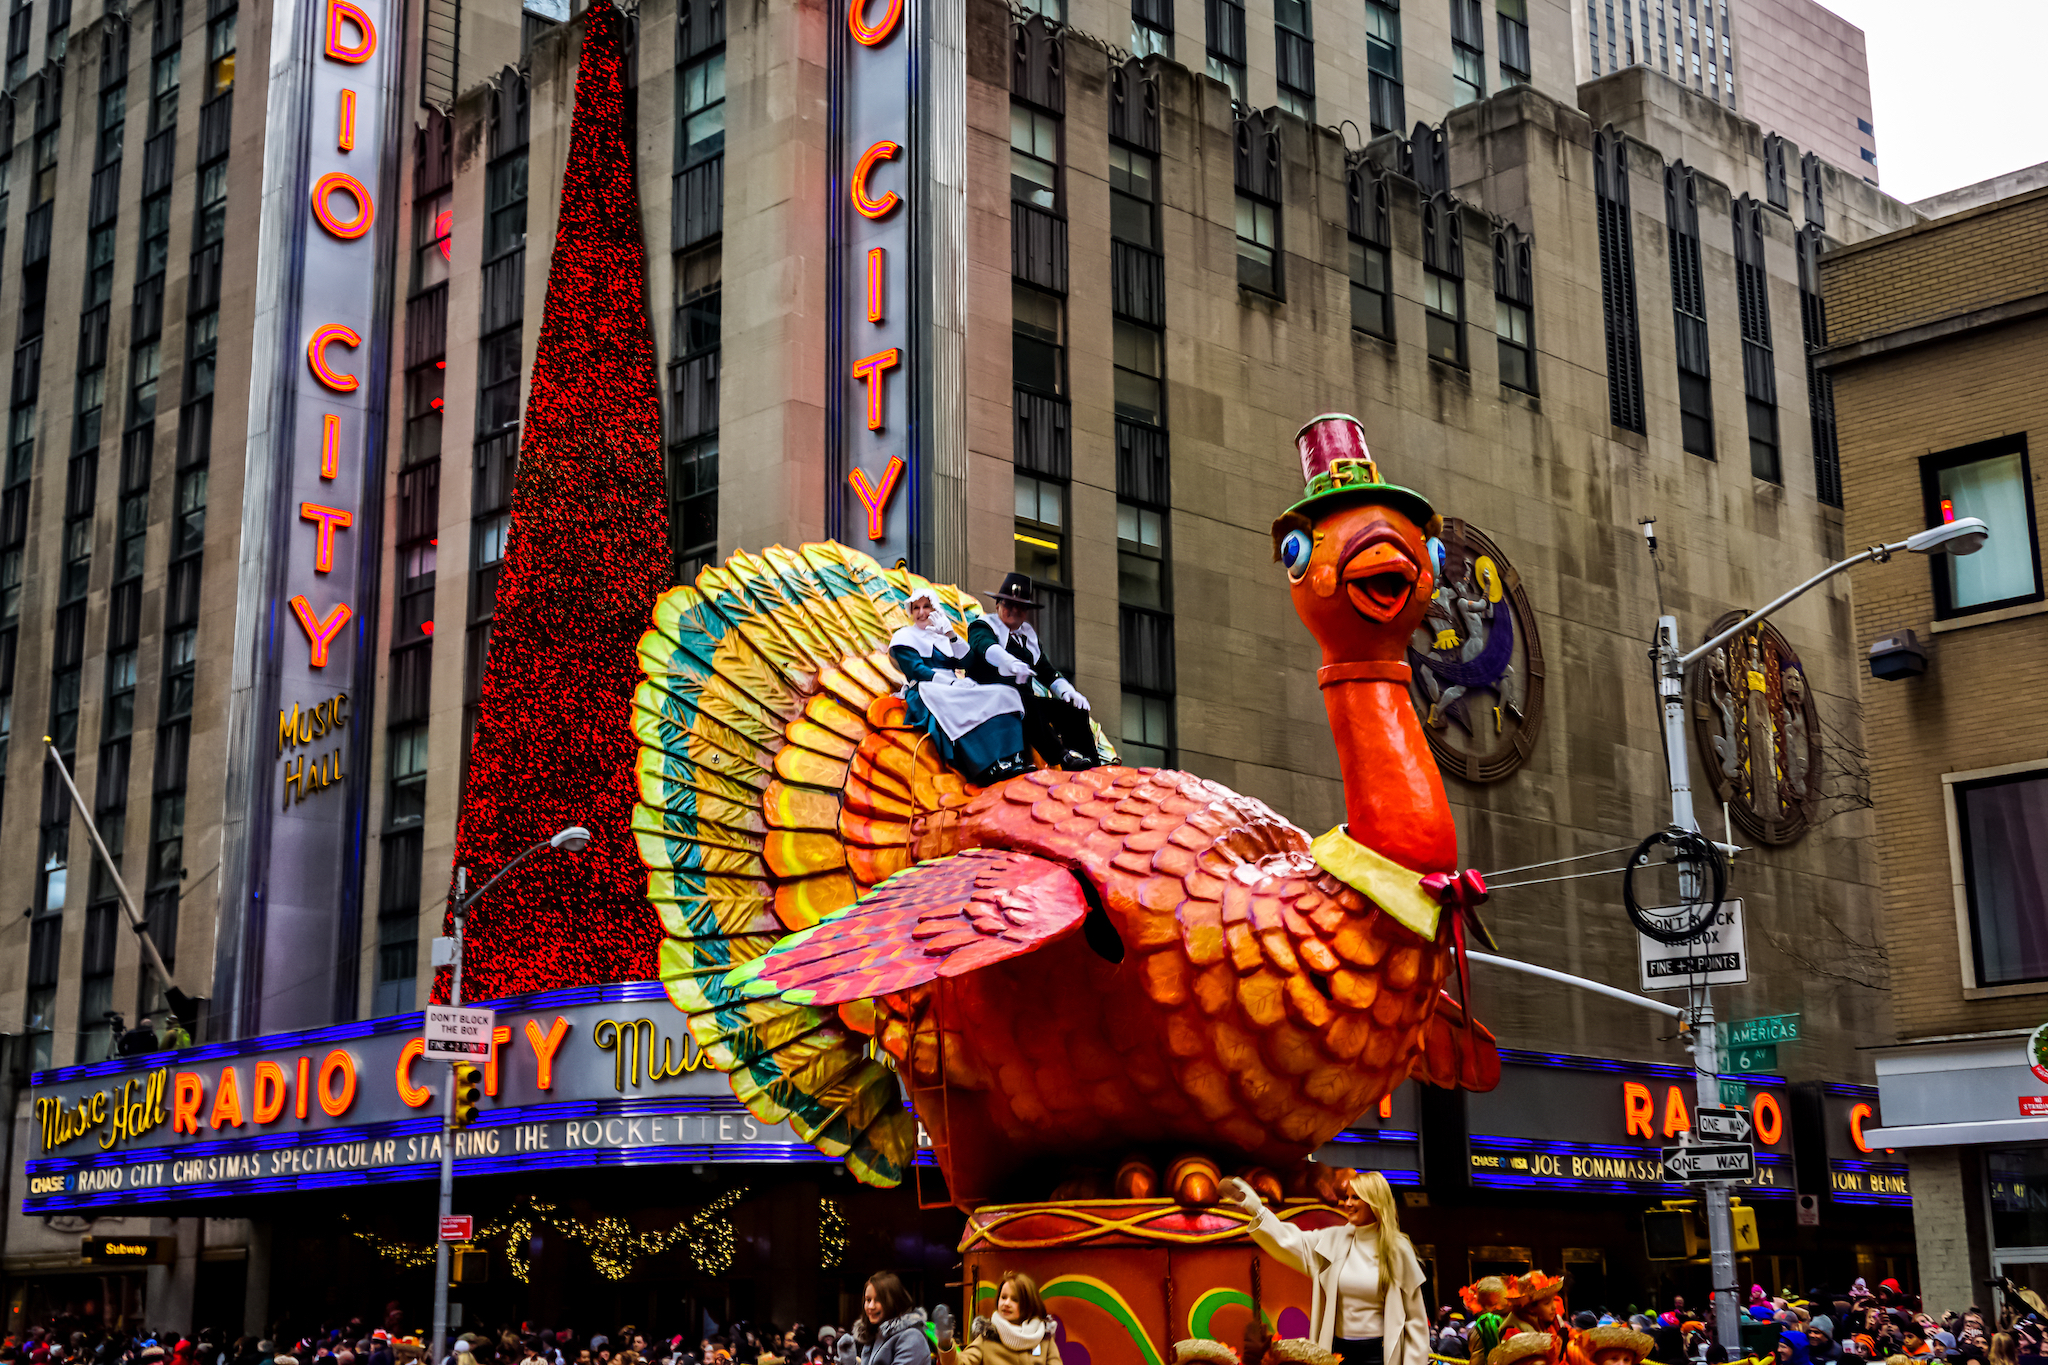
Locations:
{"points": [[1018, 590]]}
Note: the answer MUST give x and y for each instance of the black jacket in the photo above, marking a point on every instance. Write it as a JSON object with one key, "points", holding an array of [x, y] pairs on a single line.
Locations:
{"points": [[981, 634]]}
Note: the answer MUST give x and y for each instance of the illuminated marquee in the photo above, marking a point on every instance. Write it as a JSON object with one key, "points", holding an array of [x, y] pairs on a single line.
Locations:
{"points": [[291, 861], [874, 259], [568, 1081]]}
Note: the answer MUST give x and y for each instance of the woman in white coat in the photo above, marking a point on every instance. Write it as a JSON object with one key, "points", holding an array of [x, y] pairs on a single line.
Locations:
{"points": [[1365, 1298]]}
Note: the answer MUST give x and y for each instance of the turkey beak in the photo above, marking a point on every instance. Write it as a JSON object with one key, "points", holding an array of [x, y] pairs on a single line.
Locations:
{"points": [[1380, 575]]}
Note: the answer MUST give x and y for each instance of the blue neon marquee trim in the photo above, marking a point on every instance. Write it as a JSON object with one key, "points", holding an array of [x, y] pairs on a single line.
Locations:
{"points": [[757, 1153], [1628, 1151], [1378, 1135], [617, 992], [398, 1128], [1569, 1061]]}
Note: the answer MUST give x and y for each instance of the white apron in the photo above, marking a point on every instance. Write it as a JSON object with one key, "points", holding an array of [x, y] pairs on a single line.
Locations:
{"points": [[961, 705]]}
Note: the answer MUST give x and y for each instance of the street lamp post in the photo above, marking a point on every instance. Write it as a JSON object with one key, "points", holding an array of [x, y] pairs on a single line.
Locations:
{"points": [[575, 839], [1961, 537]]}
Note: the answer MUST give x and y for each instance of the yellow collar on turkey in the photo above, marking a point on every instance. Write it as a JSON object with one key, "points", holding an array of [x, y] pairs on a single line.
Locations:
{"points": [[1392, 887]]}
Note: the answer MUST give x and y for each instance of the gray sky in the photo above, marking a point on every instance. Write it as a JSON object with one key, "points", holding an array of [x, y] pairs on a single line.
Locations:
{"points": [[1955, 84]]}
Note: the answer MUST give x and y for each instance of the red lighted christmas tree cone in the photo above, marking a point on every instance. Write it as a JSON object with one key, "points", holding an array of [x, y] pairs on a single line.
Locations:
{"points": [[588, 556]]}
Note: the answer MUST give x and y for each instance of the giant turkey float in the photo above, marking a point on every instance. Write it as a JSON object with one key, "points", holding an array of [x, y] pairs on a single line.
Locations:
{"points": [[1098, 991]]}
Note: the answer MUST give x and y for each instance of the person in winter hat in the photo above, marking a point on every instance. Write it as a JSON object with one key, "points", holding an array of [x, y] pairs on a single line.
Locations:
{"points": [[1020, 1333]]}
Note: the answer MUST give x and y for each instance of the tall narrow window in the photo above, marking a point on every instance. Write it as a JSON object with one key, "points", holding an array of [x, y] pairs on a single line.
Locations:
{"points": [[1618, 280], [1468, 52], [1257, 245], [693, 410], [1038, 340], [1372, 297], [1294, 57], [1225, 20], [1759, 366], [1389, 106], [1041, 528], [1443, 279], [163, 92], [1820, 385], [1689, 311], [1513, 25], [1034, 157], [220, 55], [1152, 28], [1514, 307]]}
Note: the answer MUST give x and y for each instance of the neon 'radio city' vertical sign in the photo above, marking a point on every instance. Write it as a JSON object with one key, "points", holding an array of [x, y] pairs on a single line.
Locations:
{"points": [[874, 353], [292, 851]]}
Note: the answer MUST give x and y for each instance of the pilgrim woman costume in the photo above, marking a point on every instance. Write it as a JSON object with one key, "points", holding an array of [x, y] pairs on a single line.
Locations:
{"points": [[979, 730], [1003, 652]]}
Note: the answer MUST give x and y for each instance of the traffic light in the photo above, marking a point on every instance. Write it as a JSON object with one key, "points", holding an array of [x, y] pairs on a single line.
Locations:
{"points": [[1744, 1219], [1671, 1234], [470, 1265], [1677, 1232], [469, 1092]]}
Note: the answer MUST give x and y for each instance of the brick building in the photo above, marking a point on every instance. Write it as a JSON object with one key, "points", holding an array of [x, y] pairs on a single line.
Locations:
{"points": [[1166, 263], [1935, 344]]}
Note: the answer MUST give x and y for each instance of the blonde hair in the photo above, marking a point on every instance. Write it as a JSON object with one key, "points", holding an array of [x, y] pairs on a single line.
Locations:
{"points": [[2004, 1349], [1378, 1195]]}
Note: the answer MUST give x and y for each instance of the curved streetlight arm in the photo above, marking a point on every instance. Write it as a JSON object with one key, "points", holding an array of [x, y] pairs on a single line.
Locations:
{"points": [[1877, 553], [463, 903]]}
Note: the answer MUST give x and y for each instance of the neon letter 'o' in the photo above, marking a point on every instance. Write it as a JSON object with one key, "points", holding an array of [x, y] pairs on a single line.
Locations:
{"points": [[884, 150], [316, 356], [335, 1102], [1770, 1119], [339, 48], [874, 36], [338, 182]]}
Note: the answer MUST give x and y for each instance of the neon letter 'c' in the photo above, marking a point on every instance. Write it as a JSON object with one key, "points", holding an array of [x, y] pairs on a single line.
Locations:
{"points": [[316, 356], [1856, 1117], [339, 48], [875, 35], [884, 150], [413, 1095], [339, 182]]}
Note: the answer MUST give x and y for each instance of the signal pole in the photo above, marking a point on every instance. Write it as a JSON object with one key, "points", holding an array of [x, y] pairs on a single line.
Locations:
{"points": [[448, 1135]]}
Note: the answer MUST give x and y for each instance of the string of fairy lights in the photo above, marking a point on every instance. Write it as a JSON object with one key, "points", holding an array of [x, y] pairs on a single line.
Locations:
{"points": [[615, 1246], [831, 1236]]}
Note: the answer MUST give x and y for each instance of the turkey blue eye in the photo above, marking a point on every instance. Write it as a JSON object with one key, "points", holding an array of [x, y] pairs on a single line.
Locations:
{"points": [[1294, 553]]}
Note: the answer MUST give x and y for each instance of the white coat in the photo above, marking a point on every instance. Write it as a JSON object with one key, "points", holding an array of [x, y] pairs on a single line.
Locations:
{"points": [[1320, 1255]]}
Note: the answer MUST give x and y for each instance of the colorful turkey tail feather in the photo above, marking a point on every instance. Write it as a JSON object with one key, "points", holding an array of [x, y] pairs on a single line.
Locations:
{"points": [[759, 683]]}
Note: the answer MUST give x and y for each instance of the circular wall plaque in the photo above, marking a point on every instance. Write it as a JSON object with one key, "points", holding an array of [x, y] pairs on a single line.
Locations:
{"points": [[1758, 733], [1478, 664]]}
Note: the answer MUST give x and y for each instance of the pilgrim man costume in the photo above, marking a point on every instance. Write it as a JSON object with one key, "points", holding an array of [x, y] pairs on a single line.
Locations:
{"points": [[979, 730], [1006, 656]]}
